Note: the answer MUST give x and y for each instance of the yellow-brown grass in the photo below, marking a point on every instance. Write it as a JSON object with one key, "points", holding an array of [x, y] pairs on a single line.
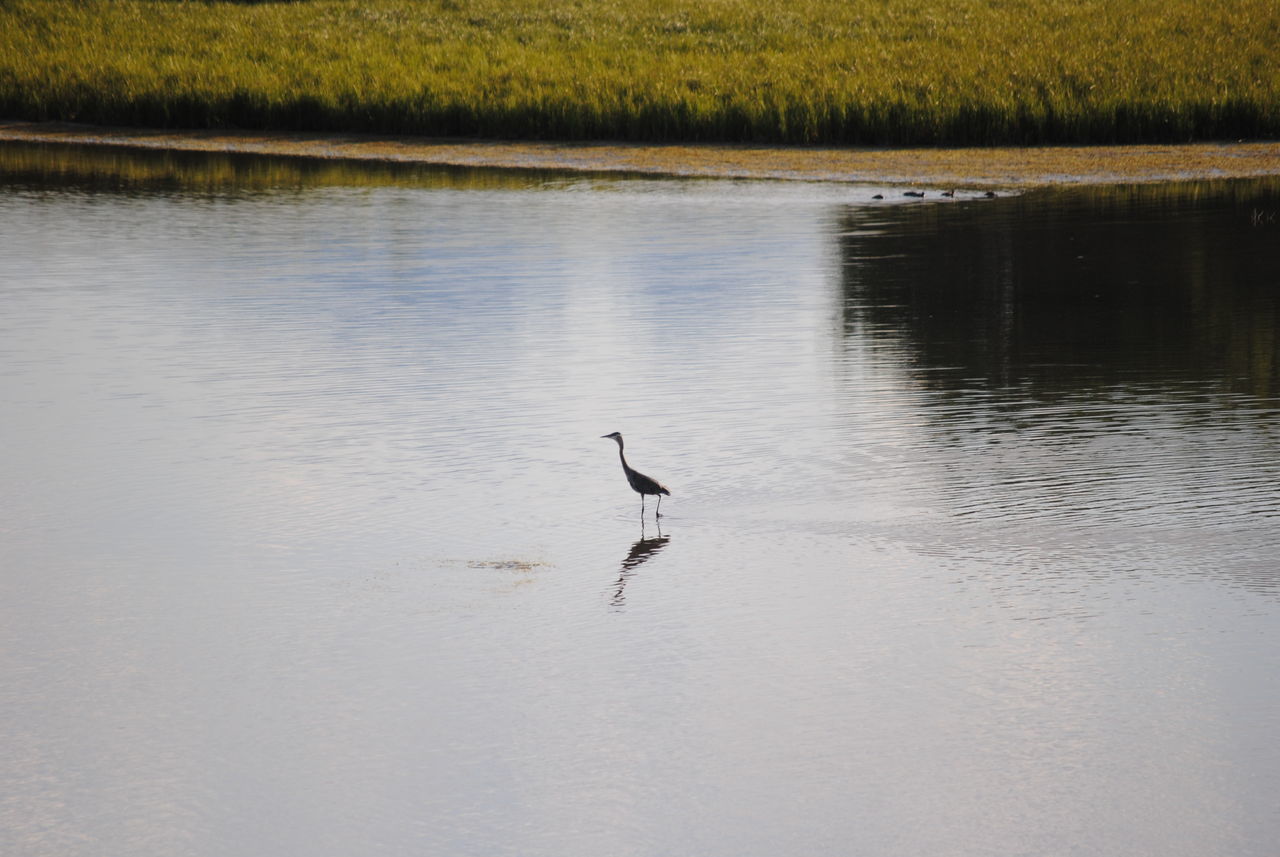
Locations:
{"points": [[806, 71]]}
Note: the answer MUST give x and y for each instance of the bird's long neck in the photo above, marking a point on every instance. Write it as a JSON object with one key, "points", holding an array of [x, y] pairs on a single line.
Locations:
{"points": [[622, 457]]}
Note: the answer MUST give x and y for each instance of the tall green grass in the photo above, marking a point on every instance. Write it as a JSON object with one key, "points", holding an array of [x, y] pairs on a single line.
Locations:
{"points": [[803, 71]]}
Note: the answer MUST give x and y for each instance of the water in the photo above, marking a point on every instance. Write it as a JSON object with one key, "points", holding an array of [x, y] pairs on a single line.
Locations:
{"points": [[310, 544]]}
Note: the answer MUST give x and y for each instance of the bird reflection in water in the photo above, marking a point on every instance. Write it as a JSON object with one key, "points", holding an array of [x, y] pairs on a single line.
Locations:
{"points": [[640, 552]]}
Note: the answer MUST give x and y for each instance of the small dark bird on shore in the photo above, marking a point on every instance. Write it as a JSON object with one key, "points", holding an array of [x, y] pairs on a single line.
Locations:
{"points": [[916, 193], [639, 483]]}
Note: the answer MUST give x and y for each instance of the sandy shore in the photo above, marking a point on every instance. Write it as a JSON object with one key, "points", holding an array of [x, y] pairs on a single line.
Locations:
{"points": [[971, 167]]}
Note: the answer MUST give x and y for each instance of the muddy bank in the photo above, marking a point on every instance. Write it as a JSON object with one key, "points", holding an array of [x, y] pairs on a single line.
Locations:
{"points": [[969, 167]]}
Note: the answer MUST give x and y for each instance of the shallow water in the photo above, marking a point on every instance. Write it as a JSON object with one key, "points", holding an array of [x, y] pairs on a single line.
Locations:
{"points": [[310, 543]]}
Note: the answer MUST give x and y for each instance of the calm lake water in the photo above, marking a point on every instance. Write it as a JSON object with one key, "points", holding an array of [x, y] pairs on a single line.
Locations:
{"points": [[309, 543]]}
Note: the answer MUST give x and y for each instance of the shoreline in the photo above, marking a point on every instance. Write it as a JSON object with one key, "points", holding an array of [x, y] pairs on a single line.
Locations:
{"points": [[974, 168]]}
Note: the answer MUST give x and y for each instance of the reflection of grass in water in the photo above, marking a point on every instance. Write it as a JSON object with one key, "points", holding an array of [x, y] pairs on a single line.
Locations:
{"points": [[834, 71], [116, 167], [1263, 191], [1238, 310], [1077, 291]]}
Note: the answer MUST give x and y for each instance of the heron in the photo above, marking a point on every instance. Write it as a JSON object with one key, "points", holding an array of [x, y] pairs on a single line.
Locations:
{"points": [[639, 483]]}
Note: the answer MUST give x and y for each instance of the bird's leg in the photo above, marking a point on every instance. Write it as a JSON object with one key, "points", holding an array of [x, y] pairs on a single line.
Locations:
{"points": [[657, 512], [642, 507]]}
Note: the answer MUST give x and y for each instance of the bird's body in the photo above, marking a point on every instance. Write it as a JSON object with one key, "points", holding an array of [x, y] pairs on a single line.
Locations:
{"points": [[639, 483]]}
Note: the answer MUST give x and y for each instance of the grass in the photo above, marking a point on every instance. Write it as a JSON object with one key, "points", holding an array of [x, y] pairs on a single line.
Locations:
{"points": [[809, 71]]}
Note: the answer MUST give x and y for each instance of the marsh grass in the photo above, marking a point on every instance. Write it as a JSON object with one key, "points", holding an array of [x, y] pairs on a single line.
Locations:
{"points": [[809, 71]]}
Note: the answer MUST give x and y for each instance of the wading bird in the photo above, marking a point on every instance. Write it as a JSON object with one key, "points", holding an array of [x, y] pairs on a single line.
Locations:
{"points": [[639, 483]]}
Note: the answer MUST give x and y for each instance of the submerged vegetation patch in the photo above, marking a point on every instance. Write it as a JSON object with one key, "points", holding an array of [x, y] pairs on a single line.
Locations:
{"points": [[811, 71]]}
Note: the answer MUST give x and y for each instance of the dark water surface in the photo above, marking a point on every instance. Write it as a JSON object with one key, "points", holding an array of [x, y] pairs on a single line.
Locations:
{"points": [[309, 544]]}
